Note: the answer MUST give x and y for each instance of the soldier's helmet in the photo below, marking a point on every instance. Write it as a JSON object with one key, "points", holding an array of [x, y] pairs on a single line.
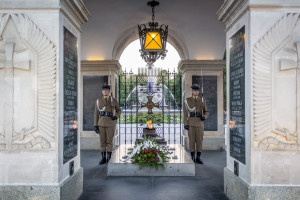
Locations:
{"points": [[195, 87], [106, 86]]}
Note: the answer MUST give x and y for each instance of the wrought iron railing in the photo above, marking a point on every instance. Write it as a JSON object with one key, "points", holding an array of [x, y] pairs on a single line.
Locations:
{"points": [[165, 91]]}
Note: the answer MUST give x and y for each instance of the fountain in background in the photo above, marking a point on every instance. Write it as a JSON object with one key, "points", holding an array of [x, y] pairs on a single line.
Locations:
{"points": [[158, 93]]}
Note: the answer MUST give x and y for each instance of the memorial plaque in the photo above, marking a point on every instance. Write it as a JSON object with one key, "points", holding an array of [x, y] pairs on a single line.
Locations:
{"points": [[70, 96], [91, 92], [237, 95], [210, 90]]}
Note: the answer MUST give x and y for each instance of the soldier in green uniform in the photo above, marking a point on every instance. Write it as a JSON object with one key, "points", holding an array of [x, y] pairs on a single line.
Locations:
{"points": [[195, 112], [107, 110]]}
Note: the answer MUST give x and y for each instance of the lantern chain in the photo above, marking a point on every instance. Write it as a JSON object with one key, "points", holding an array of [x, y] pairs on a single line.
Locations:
{"points": [[153, 16], [153, 4]]}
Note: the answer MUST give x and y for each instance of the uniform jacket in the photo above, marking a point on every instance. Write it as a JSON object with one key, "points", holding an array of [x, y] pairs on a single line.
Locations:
{"points": [[194, 121], [106, 121]]}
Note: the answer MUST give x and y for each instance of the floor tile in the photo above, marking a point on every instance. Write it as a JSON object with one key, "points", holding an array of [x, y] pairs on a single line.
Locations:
{"points": [[208, 183]]}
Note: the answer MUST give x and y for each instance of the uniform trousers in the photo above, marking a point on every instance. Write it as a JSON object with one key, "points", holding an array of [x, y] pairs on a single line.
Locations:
{"points": [[196, 137], [106, 138]]}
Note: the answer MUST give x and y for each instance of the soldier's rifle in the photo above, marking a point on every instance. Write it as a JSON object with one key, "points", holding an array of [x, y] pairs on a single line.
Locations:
{"points": [[111, 96], [202, 93], [202, 96]]}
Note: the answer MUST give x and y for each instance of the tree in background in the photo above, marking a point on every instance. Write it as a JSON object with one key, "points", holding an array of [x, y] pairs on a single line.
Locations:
{"points": [[129, 82], [169, 79], [173, 82]]}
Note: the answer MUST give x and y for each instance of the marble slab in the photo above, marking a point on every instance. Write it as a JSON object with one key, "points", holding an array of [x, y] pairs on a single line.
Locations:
{"points": [[182, 166]]}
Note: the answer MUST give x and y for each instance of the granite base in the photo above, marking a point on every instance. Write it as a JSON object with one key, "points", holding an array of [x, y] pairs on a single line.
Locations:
{"points": [[70, 189], [91, 141], [237, 189], [209, 143]]}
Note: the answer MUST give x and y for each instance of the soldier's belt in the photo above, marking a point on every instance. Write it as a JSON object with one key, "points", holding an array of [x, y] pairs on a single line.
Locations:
{"points": [[102, 113], [197, 114]]}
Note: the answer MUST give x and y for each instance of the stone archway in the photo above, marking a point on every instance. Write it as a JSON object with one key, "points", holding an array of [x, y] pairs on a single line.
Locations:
{"points": [[128, 35]]}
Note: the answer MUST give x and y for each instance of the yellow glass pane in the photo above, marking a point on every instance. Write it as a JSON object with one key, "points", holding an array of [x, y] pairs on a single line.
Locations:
{"points": [[153, 41]]}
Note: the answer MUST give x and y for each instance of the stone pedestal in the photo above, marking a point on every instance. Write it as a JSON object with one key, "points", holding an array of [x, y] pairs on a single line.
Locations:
{"points": [[40, 47], [212, 77], [262, 45], [93, 75], [182, 166]]}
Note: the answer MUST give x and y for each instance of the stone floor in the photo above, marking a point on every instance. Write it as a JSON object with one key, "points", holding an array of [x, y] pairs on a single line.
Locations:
{"points": [[206, 185]]}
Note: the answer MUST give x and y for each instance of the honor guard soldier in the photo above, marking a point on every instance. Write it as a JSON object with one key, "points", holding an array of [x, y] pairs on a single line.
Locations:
{"points": [[195, 112], [107, 110]]}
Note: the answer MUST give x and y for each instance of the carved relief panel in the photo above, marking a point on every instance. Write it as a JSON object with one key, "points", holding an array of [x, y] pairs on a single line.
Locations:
{"points": [[276, 86], [27, 85]]}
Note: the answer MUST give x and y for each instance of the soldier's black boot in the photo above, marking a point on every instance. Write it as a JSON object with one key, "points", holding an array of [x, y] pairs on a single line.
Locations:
{"points": [[103, 160], [108, 156], [198, 159], [193, 156]]}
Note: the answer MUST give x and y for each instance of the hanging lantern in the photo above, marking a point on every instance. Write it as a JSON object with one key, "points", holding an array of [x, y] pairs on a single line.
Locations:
{"points": [[153, 39]]}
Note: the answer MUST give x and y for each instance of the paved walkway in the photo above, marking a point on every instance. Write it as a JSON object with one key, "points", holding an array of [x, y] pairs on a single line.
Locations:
{"points": [[206, 185]]}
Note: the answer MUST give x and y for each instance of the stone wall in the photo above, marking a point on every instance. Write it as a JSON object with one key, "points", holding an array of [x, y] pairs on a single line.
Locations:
{"points": [[272, 113], [31, 103]]}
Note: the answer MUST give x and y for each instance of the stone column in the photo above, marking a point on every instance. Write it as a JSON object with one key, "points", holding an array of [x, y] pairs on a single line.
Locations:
{"points": [[262, 40], [212, 77], [93, 75], [39, 67]]}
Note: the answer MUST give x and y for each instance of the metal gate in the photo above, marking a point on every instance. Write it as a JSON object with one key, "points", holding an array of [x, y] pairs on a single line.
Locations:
{"points": [[156, 97]]}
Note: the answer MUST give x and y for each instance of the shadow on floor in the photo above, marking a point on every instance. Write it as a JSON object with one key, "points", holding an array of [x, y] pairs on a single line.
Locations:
{"points": [[206, 185]]}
